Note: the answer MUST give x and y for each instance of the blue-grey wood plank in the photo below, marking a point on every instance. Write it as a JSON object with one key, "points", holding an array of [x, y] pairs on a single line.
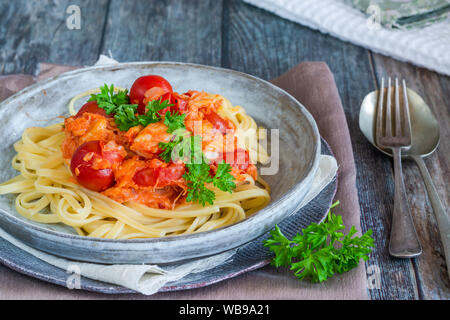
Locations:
{"points": [[36, 31], [262, 44], [232, 34], [430, 268], [169, 30]]}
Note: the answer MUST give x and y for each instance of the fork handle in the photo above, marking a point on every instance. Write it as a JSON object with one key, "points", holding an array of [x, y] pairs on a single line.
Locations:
{"points": [[404, 242], [442, 218]]}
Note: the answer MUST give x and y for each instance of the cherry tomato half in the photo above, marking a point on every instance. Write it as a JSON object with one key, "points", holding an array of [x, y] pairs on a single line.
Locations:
{"points": [[82, 166], [146, 177], [92, 107], [149, 177], [142, 84], [170, 174]]}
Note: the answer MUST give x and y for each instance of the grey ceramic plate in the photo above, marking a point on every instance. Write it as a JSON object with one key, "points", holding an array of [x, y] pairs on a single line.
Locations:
{"points": [[250, 256], [273, 108]]}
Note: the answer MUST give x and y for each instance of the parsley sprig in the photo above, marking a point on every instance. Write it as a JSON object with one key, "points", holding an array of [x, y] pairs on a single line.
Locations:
{"points": [[180, 142], [174, 121], [223, 178], [108, 100], [152, 115], [198, 175], [168, 148], [321, 250], [198, 172], [125, 114]]}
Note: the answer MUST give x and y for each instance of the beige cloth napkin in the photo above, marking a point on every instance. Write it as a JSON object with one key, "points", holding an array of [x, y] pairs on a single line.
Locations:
{"points": [[311, 83]]}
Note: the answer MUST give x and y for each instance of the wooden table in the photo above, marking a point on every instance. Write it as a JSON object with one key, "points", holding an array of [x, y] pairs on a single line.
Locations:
{"points": [[232, 34]]}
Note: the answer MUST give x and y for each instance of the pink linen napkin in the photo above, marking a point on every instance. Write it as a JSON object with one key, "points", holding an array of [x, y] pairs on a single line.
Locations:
{"points": [[312, 83]]}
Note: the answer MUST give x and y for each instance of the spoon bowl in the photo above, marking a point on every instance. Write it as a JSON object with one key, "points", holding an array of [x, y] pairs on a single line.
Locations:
{"points": [[424, 126]]}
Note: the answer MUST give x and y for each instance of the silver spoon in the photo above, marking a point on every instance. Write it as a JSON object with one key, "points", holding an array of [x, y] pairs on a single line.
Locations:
{"points": [[425, 139]]}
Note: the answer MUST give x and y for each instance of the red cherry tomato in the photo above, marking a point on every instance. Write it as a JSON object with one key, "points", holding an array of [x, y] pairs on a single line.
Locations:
{"points": [[142, 84], [82, 164], [146, 177], [149, 177], [218, 122], [170, 174], [91, 107]]}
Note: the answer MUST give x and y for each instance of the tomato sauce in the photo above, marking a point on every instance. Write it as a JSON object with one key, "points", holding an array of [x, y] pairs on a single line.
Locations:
{"points": [[133, 157]]}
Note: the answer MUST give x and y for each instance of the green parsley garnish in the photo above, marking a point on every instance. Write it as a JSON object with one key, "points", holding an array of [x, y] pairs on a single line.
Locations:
{"points": [[108, 100], [321, 250], [168, 148], [174, 122], [125, 114], [180, 147], [223, 179], [152, 115], [197, 176], [188, 149]]}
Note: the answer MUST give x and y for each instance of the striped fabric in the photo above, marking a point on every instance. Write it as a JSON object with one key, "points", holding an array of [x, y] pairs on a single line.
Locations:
{"points": [[427, 47]]}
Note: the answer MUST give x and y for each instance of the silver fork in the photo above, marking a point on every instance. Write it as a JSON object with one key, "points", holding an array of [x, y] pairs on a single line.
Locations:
{"points": [[393, 131]]}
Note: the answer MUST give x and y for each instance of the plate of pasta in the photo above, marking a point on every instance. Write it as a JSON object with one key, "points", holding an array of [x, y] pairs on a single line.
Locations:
{"points": [[152, 162]]}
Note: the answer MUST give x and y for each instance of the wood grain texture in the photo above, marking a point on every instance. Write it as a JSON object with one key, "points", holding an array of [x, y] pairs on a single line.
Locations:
{"points": [[235, 35], [187, 31], [35, 31], [430, 267], [262, 44]]}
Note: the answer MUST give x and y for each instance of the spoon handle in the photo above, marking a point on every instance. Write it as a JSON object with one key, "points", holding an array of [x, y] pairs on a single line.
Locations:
{"points": [[442, 218], [404, 242]]}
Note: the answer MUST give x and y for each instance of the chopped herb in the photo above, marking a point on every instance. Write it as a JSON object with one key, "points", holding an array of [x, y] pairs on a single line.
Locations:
{"points": [[321, 250], [197, 176], [152, 115], [174, 121], [180, 146], [223, 179], [108, 100], [125, 116], [188, 149], [168, 148]]}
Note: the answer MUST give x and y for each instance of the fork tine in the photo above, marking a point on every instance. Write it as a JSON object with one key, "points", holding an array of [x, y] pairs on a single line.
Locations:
{"points": [[406, 118], [379, 128], [388, 121], [398, 119]]}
